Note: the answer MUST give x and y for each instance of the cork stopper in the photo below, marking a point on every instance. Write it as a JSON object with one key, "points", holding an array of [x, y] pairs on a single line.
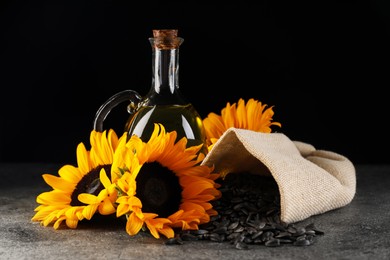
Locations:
{"points": [[166, 39]]}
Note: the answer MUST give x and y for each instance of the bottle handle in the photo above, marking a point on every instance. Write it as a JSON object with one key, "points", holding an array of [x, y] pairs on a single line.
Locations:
{"points": [[112, 102]]}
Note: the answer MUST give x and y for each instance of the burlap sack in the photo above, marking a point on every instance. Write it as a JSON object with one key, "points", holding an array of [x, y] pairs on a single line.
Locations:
{"points": [[310, 181]]}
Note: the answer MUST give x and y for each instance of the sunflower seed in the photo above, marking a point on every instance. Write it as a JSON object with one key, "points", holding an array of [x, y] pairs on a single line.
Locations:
{"points": [[174, 241], [233, 225], [272, 242], [241, 245], [303, 242], [257, 234], [188, 237], [199, 232], [220, 230]]}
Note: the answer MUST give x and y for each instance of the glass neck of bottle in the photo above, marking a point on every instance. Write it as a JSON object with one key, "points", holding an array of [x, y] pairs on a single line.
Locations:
{"points": [[165, 78]]}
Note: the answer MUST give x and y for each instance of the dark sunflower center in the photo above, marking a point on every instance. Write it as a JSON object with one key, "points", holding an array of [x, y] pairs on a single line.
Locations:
{"points": [[90, 183], [158, 189]]}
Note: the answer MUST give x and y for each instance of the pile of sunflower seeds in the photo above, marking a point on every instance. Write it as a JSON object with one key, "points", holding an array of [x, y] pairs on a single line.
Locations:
{"points": [[249, 214]]}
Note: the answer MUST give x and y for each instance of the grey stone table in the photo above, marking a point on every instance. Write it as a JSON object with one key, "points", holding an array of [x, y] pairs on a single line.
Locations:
{"points": [[360, 230]]}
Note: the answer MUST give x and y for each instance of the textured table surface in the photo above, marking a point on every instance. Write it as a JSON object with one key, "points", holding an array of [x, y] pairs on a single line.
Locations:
{"points": [[360, 230]]}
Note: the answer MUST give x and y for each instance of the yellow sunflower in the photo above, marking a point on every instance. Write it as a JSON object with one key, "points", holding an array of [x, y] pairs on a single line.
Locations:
{"points": [[79, 192], [253, 116], [162, 186]]}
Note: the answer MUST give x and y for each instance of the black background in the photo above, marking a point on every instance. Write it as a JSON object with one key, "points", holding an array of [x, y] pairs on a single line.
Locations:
{"points": [[324, 66]]}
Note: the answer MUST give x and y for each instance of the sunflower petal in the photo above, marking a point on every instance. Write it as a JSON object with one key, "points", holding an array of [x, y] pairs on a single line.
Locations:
{"points": [[133, 225], [57, 183], [53, 197], [88, 198], [104, 179], [83, 158], [106, 207], [89, 211]]}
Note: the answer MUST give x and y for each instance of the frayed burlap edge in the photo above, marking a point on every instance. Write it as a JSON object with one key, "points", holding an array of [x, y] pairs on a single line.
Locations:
{"points": [[310, 181]]}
